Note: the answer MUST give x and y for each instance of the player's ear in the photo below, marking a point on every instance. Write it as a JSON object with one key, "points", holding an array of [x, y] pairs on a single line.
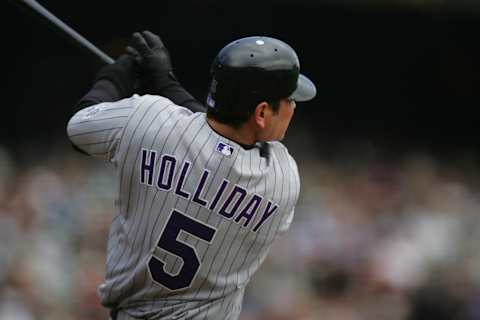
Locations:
{"points": [[261, 114]]}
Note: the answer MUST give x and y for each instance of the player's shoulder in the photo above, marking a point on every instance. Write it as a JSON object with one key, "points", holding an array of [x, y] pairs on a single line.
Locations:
{"points": [[149, 100], [278, 146], [153, 99], [281, 151]]}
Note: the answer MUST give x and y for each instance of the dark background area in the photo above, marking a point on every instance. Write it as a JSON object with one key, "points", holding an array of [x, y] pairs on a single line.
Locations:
{"points": [[400, 76]]}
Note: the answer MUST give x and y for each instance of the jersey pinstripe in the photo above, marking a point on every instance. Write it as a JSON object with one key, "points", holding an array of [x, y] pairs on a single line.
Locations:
{"points": [[195, 213]]}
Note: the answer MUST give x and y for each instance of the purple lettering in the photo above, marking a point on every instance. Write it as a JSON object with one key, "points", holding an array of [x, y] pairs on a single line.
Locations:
{"points": [[266, 214], [249, 210], [219, 193], [198, 191], [181, 181], [147, 167], [161, 183], [237, 190]]}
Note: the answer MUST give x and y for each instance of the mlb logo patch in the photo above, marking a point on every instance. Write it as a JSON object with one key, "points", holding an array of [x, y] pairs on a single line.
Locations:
{"points": [[224, 149]]}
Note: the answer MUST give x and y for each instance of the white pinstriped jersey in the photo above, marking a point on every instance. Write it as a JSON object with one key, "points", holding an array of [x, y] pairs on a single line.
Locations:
{"points": [[196, 213]]}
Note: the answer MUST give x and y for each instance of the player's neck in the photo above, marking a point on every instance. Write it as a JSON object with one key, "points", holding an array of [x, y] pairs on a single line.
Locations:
{"points": [[242, 135]]}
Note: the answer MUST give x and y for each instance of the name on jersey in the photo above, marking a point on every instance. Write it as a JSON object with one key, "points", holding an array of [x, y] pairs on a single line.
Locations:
{"points": [[235, 204]]}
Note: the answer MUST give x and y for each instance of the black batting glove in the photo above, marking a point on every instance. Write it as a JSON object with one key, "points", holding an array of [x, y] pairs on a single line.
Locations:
{"points": [[122, 73], [156, 71], [153, 59]]}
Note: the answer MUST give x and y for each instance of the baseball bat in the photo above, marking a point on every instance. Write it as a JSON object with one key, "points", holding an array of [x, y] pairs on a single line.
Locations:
{"points": [[46, 16]]}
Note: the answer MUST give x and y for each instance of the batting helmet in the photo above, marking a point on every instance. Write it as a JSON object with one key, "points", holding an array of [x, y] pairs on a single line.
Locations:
{"points": [[255, 69]]}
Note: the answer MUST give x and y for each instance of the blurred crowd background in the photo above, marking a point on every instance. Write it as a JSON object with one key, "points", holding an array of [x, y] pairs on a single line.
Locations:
{"points": [[387, 222], [373, 237]]}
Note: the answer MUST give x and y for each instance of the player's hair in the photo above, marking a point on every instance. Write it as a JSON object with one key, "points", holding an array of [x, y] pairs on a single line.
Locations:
{"points": [[244, 111]]}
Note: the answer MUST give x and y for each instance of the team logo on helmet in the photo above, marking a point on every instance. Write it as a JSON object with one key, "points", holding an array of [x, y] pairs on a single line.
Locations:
{"points": [[213, 90]]}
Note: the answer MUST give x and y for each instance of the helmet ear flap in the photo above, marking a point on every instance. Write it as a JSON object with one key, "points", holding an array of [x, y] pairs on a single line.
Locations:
{"points": [[227, 99]]}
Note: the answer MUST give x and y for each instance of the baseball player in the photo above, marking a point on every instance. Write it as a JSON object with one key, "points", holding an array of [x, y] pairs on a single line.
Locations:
{"points": [[202, 195]]}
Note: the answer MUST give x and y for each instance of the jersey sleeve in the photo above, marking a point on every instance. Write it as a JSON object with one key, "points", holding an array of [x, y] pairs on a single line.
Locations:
{"points": [[97, 130]]}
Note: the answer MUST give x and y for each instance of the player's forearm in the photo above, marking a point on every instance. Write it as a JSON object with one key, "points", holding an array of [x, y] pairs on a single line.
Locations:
{"points": [[174, 91], [112, 83], [102, 91]]}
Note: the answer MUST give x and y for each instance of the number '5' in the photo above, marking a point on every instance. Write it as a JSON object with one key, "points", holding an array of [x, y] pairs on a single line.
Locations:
{"points": [[169, 242]]}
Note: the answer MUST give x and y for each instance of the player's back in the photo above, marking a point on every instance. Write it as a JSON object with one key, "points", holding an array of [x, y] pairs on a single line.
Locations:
{"points": [[195, 216]]}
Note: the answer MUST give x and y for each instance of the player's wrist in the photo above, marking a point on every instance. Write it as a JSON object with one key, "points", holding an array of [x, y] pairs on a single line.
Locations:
{"points": [[155, 83], [155, 67], [121, 74]]}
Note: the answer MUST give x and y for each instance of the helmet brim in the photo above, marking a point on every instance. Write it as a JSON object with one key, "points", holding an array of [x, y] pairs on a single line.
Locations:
{"points": [[305, 91]]}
